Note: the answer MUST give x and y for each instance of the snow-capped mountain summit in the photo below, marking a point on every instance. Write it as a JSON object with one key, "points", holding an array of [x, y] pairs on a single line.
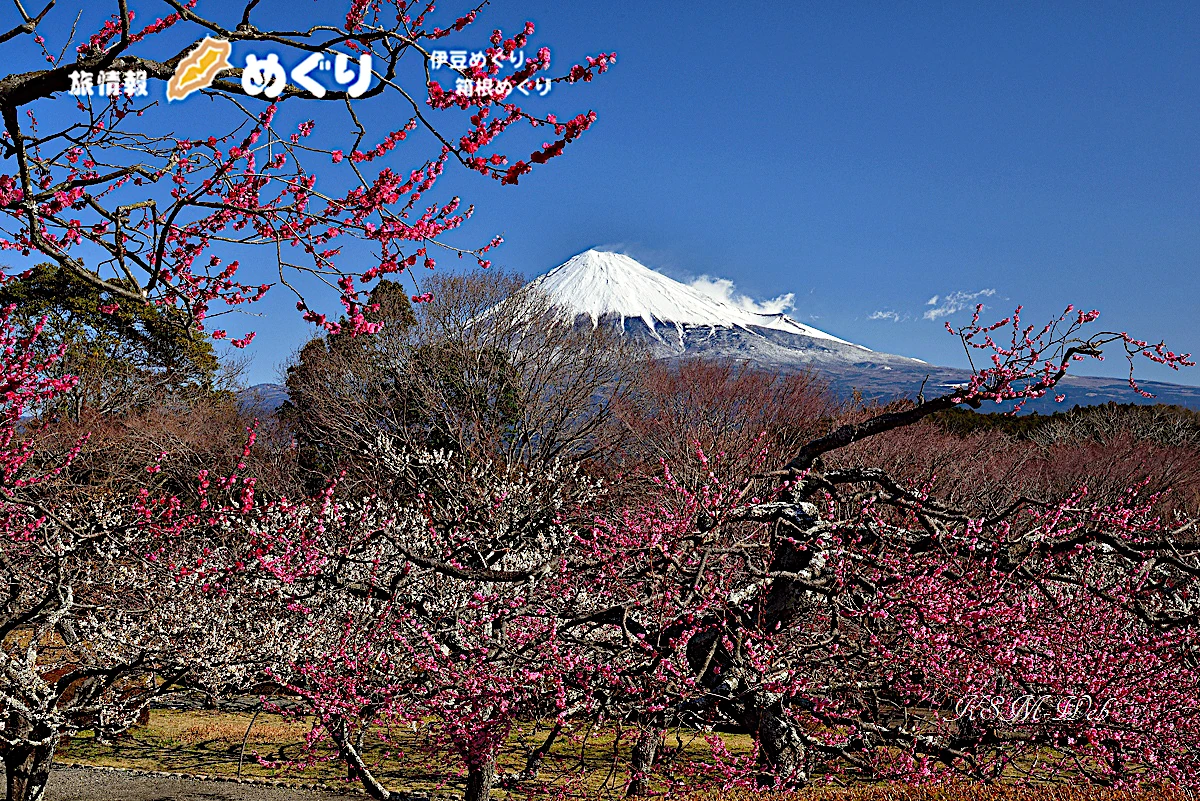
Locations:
{"points": [[676, 320], [602, 284]]}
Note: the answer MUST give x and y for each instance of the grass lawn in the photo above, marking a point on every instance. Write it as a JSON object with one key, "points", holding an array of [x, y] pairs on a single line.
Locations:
{"points": [[210, 743]]}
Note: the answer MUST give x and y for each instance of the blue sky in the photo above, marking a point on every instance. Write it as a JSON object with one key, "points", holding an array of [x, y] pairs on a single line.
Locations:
{"points": [[868, 157]]}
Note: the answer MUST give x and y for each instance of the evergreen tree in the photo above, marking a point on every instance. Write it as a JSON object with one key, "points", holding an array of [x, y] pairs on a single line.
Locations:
{"points": [[126, 354]]}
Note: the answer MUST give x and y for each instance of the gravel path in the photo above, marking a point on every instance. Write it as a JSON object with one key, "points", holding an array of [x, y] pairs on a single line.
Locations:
{"points": [[85, 784]]}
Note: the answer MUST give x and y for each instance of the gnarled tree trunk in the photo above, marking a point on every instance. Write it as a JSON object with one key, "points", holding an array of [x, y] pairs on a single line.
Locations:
{"points": [[27, 769], [480, 777], [642, 760], [782, 755]]}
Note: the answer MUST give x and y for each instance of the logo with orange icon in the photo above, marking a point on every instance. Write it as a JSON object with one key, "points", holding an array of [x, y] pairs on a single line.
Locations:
{"points": [[199, 69]]}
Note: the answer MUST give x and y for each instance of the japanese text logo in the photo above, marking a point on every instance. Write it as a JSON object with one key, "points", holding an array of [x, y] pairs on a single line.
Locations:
{"points": [[461, 60], [265, 75]]}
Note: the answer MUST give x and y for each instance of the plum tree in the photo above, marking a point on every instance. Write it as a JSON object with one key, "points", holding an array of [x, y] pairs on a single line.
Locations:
{"points": [[139, 215]]}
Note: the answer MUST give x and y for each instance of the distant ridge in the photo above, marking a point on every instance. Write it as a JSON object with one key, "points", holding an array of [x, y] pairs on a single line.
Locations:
{"points": [[265, 399]]}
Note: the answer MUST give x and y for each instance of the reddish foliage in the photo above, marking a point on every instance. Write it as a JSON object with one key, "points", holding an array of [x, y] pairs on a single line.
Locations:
{"points": [[847, 617]]}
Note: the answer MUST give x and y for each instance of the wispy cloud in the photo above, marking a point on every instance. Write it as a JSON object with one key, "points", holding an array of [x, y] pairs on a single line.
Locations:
{"points": [[722, 289], [946, 305], [888, 314]]}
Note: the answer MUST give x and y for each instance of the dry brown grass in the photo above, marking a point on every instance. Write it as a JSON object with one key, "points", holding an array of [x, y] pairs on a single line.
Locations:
{"points": [[217, 727]]}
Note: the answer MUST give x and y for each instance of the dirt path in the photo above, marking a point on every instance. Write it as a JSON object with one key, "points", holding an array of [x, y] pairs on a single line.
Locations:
{"points": [[85, 784]]}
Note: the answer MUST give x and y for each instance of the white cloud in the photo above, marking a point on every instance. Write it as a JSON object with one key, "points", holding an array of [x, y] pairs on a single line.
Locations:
{"points": [[944, 306], [887, 315], [722, 289]]}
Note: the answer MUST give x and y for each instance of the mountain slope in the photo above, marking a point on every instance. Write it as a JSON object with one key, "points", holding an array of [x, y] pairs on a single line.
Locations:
{"points": [[675, 320], [599, 284]]}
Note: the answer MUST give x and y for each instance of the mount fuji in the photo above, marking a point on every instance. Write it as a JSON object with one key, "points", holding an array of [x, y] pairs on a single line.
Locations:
{"points": [[675, 320]]}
